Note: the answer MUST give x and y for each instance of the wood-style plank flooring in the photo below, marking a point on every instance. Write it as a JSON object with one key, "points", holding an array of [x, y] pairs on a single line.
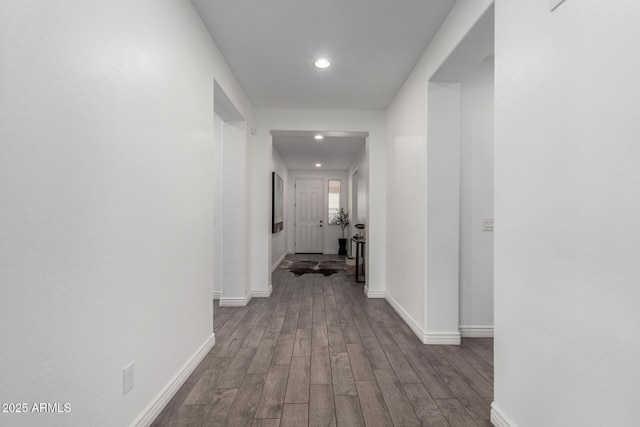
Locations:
{"points": [[317, 352]]}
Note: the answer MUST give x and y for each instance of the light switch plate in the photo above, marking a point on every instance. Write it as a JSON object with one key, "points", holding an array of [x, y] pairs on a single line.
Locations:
{"points": [[553, 4], [487, 224]]}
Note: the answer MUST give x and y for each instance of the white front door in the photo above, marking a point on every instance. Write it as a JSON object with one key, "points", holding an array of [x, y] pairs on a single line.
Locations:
{"points": [[309, 216]]}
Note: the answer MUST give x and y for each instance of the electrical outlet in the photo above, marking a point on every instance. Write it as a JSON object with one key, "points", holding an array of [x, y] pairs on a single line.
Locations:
{"points": [[487, 224], [128, 377]]}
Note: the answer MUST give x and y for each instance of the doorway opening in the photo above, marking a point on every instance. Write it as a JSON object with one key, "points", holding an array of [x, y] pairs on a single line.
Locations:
{"points": [[318, 167], [460, 197], [230, 165]]}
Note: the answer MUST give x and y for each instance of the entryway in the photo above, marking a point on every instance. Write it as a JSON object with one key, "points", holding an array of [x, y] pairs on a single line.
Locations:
{"points": [[317, 167]]}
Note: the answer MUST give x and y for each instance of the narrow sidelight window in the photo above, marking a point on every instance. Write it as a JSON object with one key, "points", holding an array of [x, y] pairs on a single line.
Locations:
{"points": [[334, 200]]}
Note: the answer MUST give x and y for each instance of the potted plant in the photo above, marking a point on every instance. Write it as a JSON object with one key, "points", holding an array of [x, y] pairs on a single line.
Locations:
{"points": [[342, 219]]}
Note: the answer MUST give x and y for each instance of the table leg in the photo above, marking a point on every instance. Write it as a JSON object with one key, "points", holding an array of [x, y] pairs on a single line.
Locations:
{"points": [[358, 244], [357, 260]]}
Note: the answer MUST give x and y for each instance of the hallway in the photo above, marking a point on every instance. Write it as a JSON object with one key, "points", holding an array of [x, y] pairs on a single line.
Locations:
{"points": [[319, 353]]}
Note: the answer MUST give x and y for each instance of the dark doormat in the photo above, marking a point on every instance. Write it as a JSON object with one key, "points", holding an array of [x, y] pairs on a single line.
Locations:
{"points": [[308, 266]]}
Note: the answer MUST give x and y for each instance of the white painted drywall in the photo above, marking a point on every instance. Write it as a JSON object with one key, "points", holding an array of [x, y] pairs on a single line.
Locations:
{"points": [[107, 183], [259, 213], [566, 203], [406, 195], [476, 199], [442, 219], [218, 214], [407, 156], [279, 240], [349, 120], [230, 236], [330, 233], [234, 214], [358, 213]]}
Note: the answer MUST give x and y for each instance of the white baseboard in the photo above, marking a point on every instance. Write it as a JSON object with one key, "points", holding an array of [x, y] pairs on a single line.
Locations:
{"points": [[263, 293], [278, 262], [235, 302], [217, 294], [373, 294], [156, 406], [498, 418], [476, 331], [241, 302], [442, 338], [406, 317], [438, 338]]}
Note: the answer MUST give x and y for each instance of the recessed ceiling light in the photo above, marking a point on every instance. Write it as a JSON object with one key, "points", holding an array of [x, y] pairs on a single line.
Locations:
{"points": [[318, 165], [318, 137], [322, 63]]}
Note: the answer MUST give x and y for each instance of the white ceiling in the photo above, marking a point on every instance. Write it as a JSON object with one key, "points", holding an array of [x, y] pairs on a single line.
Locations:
{"points": [[271, 45], [300, 151]]}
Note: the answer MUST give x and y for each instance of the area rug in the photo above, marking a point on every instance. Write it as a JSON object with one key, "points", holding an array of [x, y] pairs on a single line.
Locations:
{"points": [[308, 266]]}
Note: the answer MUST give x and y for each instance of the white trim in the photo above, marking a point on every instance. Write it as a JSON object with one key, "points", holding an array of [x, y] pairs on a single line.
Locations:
{"points": [[476, 331], [406, 317], [373, 294], [156, 406], [241, 302], [263, 293], [437, 338], [235, 302], [278, 262], [498, 418], [217, 295], [442, 338]]}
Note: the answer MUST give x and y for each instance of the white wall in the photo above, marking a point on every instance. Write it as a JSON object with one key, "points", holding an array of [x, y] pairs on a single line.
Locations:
{"points": [[259, 215], [358, 214], [107, 183], [407, 157], [349, 120], [330, 233], [442, 217], [567, 209], [218, 249], [279, 240], [235, 289], [476, 201]]}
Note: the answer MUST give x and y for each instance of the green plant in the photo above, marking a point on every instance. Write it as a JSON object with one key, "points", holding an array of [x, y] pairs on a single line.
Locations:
{"points": [[342, 219]]}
